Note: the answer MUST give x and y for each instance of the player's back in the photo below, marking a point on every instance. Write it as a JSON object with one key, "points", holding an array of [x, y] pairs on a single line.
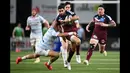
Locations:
{"points": [[49, 37]]}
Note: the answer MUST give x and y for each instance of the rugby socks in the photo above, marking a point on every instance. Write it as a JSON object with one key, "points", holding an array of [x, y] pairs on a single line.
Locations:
{"points": [[77, 49], [64, 54], [89, 54], [24, 57], [71, 53]]}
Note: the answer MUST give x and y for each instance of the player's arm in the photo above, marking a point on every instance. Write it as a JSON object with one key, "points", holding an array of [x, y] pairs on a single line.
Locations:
{"points": [[66, 34], [77, 23], [73, 18], [87, 27], [28, 24], [54, 33], [84, 37], [110, 24], [13, 33], [45, 22]]}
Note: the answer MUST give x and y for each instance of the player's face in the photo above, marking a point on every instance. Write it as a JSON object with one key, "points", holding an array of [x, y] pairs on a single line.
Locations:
{"points": [[34, 12], [19, 25], [101, 11], [61, 11], [67, 7]]}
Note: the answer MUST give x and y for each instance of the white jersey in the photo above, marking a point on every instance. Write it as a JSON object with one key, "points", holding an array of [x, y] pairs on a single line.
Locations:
{"points": [[36, 25], [48, 39]]}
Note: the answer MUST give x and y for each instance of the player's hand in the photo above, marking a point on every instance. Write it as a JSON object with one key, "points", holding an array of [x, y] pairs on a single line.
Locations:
{"points": [[103, 25], [27, 28], [87, 28], [61, 21], [74, 33]]}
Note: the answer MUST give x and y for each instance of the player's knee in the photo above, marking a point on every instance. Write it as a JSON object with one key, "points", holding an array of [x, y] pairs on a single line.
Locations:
{"points": [[78, 41]]}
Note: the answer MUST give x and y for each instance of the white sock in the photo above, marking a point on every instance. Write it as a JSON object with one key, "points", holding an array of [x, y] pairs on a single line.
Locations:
{"points": [[64, 54], [49, 62], [24, 57]]}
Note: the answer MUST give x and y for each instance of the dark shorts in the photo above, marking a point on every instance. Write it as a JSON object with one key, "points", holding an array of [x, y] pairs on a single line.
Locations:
{"points": [[57, 45], [101, 37]]}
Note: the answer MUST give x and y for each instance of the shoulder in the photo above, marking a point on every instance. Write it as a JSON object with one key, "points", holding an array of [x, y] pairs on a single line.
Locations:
{"points": [[96, 15], [29, 17], [69, 12], [40, 16], [108, 16], [58, 17]]}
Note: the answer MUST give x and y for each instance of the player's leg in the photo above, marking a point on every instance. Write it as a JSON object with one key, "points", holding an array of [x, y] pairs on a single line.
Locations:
{"points": [[102, 45], [64, 43], [17, 44], [74, 41], [71, 53], [33, 42], [36, 42], [78, 58], [53, 57], [93, 44], [29, 56], [36, 54], [77, 41]]}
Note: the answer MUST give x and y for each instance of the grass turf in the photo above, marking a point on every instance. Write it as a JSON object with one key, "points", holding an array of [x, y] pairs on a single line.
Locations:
{"points": [[98, 64]]}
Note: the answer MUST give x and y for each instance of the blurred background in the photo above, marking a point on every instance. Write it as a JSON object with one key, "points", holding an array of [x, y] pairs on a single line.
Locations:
{"points": [[21, 9]]}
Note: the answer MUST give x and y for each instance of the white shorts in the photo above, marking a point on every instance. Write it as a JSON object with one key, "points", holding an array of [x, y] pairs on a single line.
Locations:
{"points": [[34, 40], [42, 49], [18, 39]]}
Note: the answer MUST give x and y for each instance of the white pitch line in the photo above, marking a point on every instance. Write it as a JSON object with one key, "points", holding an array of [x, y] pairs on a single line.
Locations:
{"points": [[108, 68]]}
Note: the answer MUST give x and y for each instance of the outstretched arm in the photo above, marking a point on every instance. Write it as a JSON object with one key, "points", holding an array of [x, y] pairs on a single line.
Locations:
{"points": [[87, 27]]}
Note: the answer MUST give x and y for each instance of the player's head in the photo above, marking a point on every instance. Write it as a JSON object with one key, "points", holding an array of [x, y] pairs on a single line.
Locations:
{"points": [[19, 24], [68, 6], [34, 11], [61, 9], [101, 9]]}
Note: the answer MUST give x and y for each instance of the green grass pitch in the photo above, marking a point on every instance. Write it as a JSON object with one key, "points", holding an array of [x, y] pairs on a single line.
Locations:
{"points": [[98, 64]]}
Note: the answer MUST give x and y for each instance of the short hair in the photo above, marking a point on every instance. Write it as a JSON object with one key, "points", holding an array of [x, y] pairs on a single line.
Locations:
{"points": [[67, 3], [102, 6], [61, 6]]}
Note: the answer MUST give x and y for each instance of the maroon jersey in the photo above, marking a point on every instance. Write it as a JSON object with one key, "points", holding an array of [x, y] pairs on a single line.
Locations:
{"points": [[100, 32], [70, 27]]}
